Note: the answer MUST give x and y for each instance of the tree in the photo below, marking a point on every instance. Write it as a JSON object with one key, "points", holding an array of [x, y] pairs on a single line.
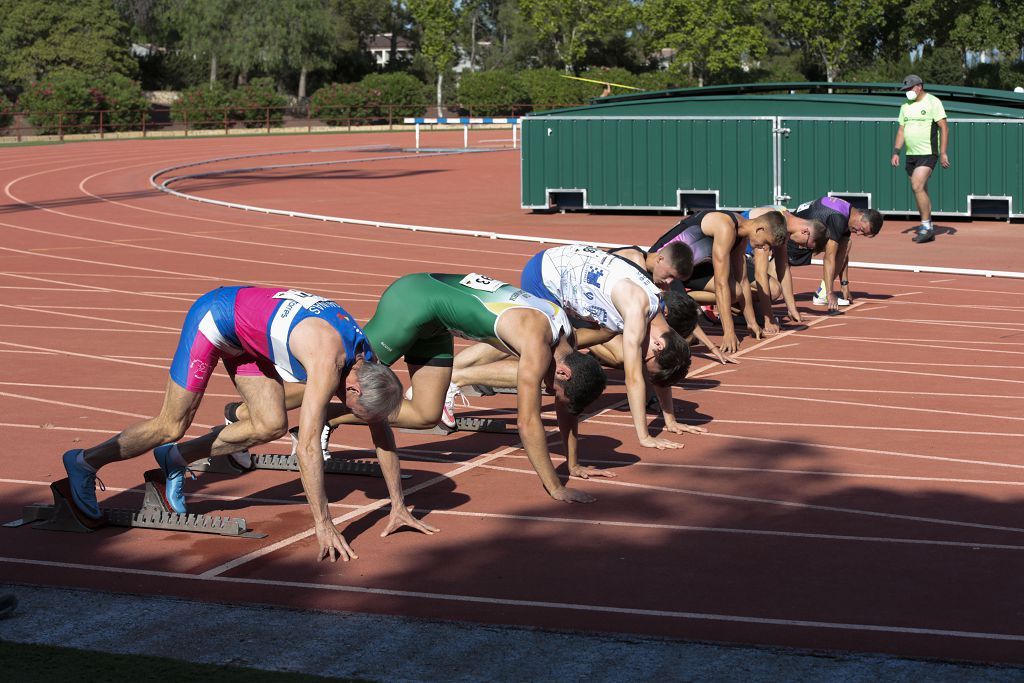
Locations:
{"points": [[571, 25], [307, 27], [439, 24], [203, 26], [709, 35], [831, 30], [39, 36]]}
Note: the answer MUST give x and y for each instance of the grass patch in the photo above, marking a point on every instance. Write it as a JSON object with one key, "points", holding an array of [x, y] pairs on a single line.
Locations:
{"points": [[43, 663]]}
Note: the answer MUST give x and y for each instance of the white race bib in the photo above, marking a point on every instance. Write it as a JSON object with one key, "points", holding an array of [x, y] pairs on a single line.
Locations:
{"points": [[310, 302], [481, 282]]}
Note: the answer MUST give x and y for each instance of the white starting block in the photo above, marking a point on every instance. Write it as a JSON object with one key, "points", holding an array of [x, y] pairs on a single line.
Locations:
{"points": [[466, 122]]}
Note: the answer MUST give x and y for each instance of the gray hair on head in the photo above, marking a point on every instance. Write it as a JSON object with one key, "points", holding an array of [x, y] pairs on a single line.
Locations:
{"points": [[380, 391]]}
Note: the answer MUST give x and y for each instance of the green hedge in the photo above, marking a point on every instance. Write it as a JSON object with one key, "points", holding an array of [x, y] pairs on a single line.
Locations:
{"points": [[395, 94], [71, 102], [205, 106], [258, 103], [338, 103], [6, 111], [548, 89], [493, 93], [376, 98]]}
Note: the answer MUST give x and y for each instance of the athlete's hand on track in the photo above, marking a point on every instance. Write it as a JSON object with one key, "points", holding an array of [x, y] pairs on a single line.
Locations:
{"points": [[660, 444], [586, 472], [677, 428], [895, 160], [568, 495], [757, 332], [795, 317], [722, 358], [333, 545], [402, 516], [771, 327], [730, 344], [833, 303]]}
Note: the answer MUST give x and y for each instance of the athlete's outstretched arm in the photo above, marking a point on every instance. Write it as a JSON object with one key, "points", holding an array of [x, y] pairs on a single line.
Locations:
{"points": [[739, 268], [384, 443], [632, 304], [785, 276], [533, 365], [721, 260], [668, 413], [321, 363], [828, 266]]}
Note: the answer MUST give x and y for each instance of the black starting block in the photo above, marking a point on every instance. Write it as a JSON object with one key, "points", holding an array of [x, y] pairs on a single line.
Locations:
{"points": [[466, 424], [62, 515], [484, 390], [225, 464]]}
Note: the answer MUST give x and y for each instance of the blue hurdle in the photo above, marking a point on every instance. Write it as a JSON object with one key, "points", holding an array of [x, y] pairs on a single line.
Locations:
{"points": [[465, 122]]}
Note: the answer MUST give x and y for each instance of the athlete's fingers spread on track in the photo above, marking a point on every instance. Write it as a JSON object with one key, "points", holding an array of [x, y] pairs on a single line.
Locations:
{"points": [[770, 328], [332, 545], [730, 344], [586, 472], [568, 495], [756, 332], [833, 302], [722, 358], [402, 516], [691, 429], [660, 444]]}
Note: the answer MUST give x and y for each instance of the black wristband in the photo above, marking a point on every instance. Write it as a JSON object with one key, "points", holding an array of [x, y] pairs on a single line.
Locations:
{"points": [[231, 411], [895, 150], [844, 283]]}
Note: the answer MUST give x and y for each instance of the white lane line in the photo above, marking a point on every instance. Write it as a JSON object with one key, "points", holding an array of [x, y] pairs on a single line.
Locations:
{"points": [[896, 540], [712, 385], [783, 346], [120, 390], [931, 343], [824, 446], [907, 293], [785, 397], [888, 370], [994, 327], [821, 425], [720, 372], [47, 307], [566, 606], [90, 356], [781, 503], [828, 327], [937, 281], [84, 329], [358, 512], [903, 362]]}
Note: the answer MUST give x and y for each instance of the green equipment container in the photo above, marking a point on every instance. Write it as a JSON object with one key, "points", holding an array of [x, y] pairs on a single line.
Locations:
{"points": [[736, 147]]}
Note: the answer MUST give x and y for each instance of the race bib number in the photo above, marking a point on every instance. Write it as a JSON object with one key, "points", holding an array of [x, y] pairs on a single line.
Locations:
{"points": [[310, 302], [481, 282]]}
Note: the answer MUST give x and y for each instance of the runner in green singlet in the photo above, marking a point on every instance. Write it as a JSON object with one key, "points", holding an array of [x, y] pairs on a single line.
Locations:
{"points": [[417, 317]]}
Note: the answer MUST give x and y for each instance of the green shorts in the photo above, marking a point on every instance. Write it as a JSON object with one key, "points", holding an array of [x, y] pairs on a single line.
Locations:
{"points": [[405, 325]]}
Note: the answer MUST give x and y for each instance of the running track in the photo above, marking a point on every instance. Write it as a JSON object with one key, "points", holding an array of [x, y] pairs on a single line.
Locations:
{"points": [[860, 488]]}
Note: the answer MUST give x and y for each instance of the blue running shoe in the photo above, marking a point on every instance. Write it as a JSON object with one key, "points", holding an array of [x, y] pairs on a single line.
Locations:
{"points": [[83, 485], [174, 492]]}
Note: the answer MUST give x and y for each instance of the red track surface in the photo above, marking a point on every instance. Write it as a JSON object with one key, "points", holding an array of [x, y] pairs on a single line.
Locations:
{"points": [[860, 487]]}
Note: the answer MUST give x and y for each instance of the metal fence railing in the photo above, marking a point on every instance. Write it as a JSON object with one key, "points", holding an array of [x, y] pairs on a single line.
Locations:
{"points": [[61, 125]]}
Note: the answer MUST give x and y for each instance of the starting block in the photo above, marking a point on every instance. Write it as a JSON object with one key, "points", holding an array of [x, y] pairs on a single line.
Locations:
{"points": [[224, 464], [466, 424], [484, 390], [62, 515]]}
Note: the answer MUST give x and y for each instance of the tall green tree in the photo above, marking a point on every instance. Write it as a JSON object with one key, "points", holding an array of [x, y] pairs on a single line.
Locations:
{"points": [[709, 35], [572, 25], [203, 27], [832, 31], [39, 36], [438, 22], [307, 27]]}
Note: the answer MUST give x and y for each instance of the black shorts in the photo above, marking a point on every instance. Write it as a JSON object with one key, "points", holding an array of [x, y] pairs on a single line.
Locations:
{"points": [[915, 160], [702, 275]]}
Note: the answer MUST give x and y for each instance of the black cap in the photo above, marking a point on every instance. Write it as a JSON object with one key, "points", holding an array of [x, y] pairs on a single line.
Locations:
{"points": [[910, 81]]}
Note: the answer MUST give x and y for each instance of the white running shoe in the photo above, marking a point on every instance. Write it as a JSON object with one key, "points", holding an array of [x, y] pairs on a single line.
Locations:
{"points": [[448, 410], [241, 459], [325, 441], [823, 301], [325, 437]]}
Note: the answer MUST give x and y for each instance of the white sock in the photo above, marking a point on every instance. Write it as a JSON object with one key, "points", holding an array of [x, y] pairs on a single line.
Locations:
{"points": [[82, 463], [927, 225]]}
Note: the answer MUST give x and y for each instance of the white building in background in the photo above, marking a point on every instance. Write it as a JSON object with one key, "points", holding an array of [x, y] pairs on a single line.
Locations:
{"points": [[380, 48]]}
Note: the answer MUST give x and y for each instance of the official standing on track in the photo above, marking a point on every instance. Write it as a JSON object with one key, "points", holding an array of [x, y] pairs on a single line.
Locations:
{"points": [[921, 119]]}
